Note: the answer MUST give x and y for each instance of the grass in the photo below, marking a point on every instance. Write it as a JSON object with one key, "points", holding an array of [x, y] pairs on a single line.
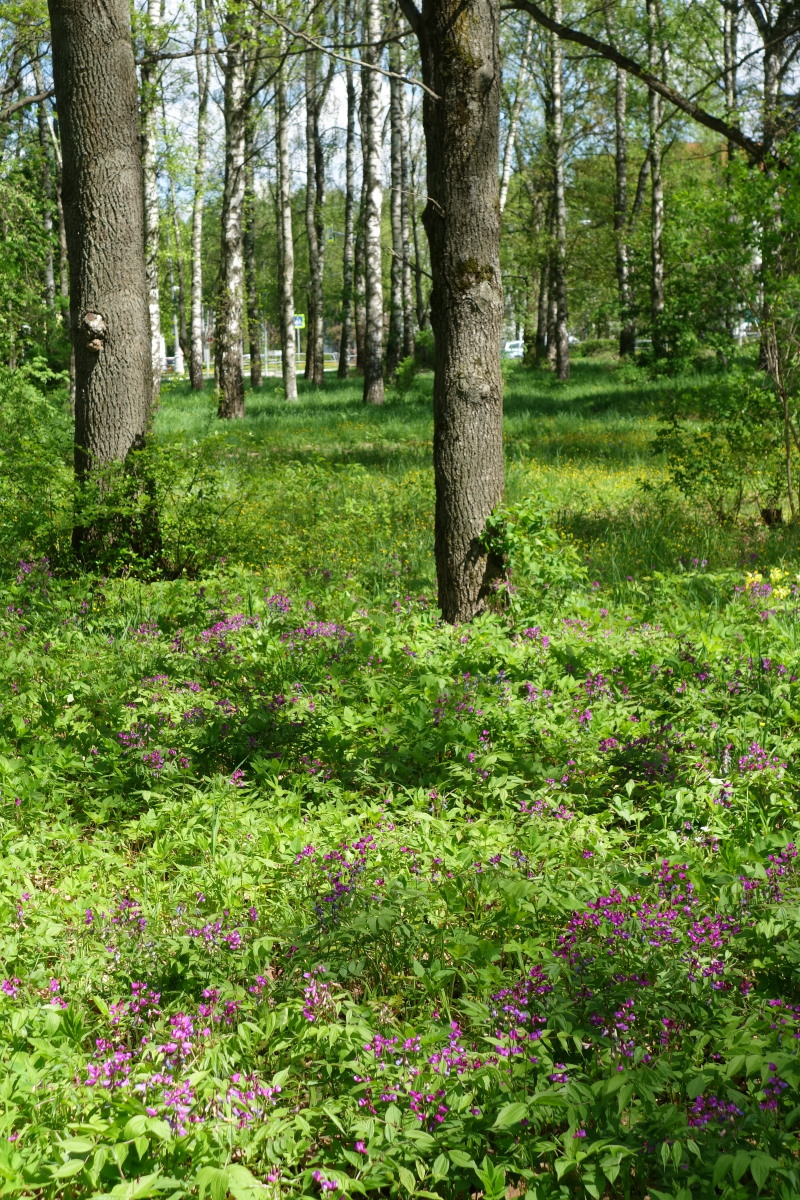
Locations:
{"points": [[306, 893]]}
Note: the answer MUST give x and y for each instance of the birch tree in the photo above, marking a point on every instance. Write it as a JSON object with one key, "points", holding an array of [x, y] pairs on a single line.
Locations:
{"points": [[229, 330], [202, 60], [371, 136], [149, 120], [285, 231]]}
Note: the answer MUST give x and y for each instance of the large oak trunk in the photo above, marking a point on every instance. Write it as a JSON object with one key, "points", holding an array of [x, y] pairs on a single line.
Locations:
{"points": [[98, 108], [461, 64]]}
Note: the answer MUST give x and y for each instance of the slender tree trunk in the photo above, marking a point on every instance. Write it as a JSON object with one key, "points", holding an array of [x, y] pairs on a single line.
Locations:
{"points": [[360, 285], [730, 37], [423, 320], [406, 201], [627, 327], [373, 197], [202, 64], [97, 97], [654, 115], [250, 271], [461, 64], [560, 214], [48, 191], [177, 273], [285, 232], [513, 120], [542, 312], [149, 109], [348, 246], [394, 343], [229, 332], [315, 227]]}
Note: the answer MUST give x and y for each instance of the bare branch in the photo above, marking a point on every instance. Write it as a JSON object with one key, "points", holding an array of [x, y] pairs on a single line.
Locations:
{"points": [[730, 132]]}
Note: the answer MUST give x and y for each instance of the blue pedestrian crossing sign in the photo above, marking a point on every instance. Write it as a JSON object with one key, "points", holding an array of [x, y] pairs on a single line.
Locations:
{"points": [[299, 320]]}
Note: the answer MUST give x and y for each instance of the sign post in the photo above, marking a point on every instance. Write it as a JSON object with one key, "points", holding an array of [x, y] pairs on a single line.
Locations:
{"points": [[299, 323]]}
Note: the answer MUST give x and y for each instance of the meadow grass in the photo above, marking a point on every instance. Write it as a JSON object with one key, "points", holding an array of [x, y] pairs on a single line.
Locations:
{"points": [[305, 892]]}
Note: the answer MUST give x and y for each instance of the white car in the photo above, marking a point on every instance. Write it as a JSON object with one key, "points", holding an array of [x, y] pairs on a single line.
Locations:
{"points": [[514, 349]]}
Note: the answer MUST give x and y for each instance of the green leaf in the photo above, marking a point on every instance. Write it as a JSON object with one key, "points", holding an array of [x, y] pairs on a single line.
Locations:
{"points": [[212, 1180], [721, 1168], [510, 1114], [740, 1164], [407, 1179], [460, 1158], [441, 1166]]}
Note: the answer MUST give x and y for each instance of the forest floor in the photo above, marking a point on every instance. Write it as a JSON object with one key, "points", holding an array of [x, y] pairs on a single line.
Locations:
{"points": [[306, 893]]}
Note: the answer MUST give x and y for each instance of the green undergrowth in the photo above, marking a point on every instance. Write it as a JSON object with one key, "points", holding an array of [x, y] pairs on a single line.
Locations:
{"points": [[305, 893]]}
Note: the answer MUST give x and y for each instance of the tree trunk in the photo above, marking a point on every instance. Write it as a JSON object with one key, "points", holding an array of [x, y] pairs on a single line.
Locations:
{"points": [[461, 64], [559, 273], [542, 312], [229, 331], [149, 108], [360, 284], [48, 190], [348, 246], [285, 233], [373, 197], [513, 120], [405, 225], [423, 320], [315, 218], [730, 35], [394, 344], [250, 271], [654, 114], [98, 106], [627, 327], [203, 77]]}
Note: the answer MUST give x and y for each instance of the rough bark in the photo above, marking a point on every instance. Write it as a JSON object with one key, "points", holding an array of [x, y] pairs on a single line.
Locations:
{"points": [[654, 117], [285, 234], [371, 137], [98, 106], [231, 270], [348, 245], [202, 61], [542, 312], [627, 326], [149, 112], [461, 64], [423, 316], [513, 118], [250, 270], [559, 273]]}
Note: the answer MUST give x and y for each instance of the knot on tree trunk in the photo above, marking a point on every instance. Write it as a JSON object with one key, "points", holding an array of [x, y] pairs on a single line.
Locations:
{"points": [[93, 331]]}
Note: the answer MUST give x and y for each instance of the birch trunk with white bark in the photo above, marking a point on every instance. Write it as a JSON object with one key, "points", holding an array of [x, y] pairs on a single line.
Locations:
{"points": [[559, 275], [373, 198], [229, 330], [202, 66], [149, 111], [348, 245], [285, 233]]}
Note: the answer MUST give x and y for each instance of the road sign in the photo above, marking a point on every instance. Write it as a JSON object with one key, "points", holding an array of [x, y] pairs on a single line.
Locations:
{"points": [[299, 320]]}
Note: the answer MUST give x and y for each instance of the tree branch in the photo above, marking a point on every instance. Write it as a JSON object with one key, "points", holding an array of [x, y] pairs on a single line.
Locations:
{"points": [[730, 132], [24, 101]]}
